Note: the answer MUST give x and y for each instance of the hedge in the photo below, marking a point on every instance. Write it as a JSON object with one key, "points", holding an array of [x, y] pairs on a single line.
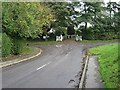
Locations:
{"points": [[6, 45]]}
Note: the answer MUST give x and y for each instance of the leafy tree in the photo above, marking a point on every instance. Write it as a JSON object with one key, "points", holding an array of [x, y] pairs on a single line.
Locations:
{"points": [[61, 13], [116, 19], [101, 18], [25, 19], [64, 12]]}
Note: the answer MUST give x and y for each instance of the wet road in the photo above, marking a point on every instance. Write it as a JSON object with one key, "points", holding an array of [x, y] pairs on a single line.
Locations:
{"points": [[59, 66]]}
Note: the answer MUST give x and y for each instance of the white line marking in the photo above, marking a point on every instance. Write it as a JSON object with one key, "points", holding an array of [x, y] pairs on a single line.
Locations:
{"points": [[43, 66]]}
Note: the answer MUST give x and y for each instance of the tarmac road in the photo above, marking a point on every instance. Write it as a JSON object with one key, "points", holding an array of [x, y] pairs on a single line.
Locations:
{"points": [[59, 66]]}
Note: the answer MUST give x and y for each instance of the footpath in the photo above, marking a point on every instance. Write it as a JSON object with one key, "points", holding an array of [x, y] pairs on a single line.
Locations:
{"points": [[93, 79], [22, 58], [90, 77]]}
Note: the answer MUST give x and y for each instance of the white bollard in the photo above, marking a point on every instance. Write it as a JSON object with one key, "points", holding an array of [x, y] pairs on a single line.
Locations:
{"points": [[61, 37], [77, 38], [80, 38]]}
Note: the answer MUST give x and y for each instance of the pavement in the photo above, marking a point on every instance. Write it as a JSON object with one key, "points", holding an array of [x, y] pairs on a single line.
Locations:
{"points": [[59, 66], [93, 78]]}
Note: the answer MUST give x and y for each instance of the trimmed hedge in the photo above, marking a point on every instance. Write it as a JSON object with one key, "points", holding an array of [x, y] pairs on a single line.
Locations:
{"points": [[6, 45]]}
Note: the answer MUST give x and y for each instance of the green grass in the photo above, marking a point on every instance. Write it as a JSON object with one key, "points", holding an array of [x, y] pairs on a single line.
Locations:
{"points": [[108, 61], [97, 41], [43, 42], [27, 50], [37, 42]]}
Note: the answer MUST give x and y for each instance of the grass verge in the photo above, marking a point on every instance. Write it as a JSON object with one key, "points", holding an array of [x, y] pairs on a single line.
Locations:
{"points": [[27, 50], [43, 42], [108, 61], [97, 41]]}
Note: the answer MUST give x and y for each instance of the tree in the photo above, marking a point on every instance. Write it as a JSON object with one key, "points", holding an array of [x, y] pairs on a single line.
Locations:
{"points": [[25, 19], [116, 19], [61, 13], [64, 12]]}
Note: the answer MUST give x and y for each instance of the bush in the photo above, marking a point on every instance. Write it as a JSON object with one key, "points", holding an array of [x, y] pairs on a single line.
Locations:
{"points": [[96, 34], [107, 36], [78, 32], [59, 31], [18, 46], [88, 34], [6, 45]]}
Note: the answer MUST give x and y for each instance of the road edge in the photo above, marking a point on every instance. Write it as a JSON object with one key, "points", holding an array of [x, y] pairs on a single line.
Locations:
{"points": [[81, 84], [19, 61]]}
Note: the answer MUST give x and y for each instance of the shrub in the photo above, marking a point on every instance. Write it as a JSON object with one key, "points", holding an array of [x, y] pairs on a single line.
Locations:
{"points": [[78, 32], [6, 45], [59, 31], [88, 34], [107, 36], [17, 47]]}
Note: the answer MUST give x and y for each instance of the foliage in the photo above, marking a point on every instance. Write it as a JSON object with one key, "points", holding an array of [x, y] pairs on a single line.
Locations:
{"points": [[43, 16], [78, 32], [104, 19], [108, 60], [33, 20], [25, 19], [59, 31], [87, 33], [6, 45], [18, 46], [61, 13], [70, 30]]}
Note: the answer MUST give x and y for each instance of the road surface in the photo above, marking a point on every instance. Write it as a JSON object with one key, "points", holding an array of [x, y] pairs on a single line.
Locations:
{"points": [[59, 66]]}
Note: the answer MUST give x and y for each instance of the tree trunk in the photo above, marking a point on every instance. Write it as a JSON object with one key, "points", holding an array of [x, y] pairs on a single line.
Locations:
{"points": [[86, 18], [85, 25]]}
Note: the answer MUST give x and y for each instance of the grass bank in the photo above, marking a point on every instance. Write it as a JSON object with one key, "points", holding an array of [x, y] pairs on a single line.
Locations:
{"points": [[108, 61], [98, 41]]}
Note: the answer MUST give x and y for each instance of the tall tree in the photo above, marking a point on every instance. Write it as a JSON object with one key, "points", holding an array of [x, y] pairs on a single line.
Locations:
{"points": [[64, 12], [25, 19]]}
